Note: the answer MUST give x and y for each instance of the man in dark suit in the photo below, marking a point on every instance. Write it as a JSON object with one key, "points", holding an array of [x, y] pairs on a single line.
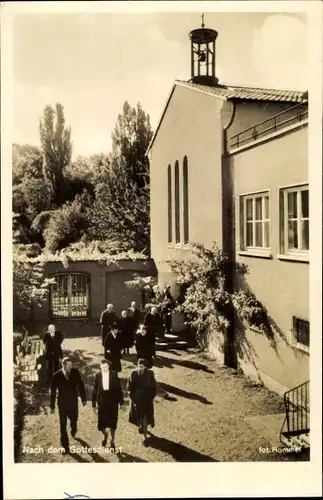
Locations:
{"points": [[53, 340], [135, 315], [108, 320], [69, 385]]}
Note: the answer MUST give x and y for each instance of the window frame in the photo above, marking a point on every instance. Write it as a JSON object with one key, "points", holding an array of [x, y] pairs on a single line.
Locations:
{"points": [[300, 345], [253, 250], [284, 219], [69, 315]]}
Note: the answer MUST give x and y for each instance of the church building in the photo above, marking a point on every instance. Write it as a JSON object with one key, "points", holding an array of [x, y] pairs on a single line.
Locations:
{"points": [[228, 163]]}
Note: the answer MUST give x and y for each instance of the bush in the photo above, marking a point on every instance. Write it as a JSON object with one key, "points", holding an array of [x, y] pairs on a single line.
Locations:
{"points": [[65, 226]]}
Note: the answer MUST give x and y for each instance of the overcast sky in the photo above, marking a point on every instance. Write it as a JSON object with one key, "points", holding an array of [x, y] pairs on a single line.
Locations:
{"points": [[92, 63]]}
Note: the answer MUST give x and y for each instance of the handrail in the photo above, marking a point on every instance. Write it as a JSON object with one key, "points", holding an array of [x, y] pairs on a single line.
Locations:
{"points": [[297, 387], [296, 402], [236, 141]]}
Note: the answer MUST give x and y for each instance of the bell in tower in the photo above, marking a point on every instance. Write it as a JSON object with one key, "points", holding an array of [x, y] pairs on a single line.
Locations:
{"points": [[203, 55]]}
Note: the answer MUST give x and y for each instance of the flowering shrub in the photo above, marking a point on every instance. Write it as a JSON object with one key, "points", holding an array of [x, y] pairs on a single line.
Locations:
{"points": [[250, 309], [208, 302]]}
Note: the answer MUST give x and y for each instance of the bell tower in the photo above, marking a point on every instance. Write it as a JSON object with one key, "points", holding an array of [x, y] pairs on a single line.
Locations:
{"points": [[203, 55]]}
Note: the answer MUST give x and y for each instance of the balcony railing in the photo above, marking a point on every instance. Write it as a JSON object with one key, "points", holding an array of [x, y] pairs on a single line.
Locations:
{"points": [[290, 116]]}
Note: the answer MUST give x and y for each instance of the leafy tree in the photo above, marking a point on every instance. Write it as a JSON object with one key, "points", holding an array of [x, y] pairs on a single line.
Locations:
{"points": [[28, 187], [55, 138], [37, 196], [29, 285], [27, 161], [121, 208], [130, 140], [90, 169]]}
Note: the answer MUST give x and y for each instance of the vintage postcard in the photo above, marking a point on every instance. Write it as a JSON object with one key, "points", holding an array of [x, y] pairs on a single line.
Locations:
{"points": [[161, 269]]}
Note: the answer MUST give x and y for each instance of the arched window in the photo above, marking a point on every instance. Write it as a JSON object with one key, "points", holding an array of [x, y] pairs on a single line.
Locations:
{"points": [[69, 295], [170, 204], [177, 205], [185, 201]]}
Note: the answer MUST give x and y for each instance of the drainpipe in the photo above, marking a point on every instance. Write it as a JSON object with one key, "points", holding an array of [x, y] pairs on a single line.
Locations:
{"points": [[228, 235]]}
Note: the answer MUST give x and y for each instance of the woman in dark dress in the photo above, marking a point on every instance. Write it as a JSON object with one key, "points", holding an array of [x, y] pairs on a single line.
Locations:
{"points": [[142, 388], [144, 345], [106, 397], [126, 333], [112, 348]]}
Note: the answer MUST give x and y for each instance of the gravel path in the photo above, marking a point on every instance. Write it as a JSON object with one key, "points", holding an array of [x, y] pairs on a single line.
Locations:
{"points": [[203, 412]]}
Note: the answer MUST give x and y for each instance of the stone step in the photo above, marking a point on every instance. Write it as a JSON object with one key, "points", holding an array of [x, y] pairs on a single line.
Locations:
{"points": [[302, 440], [177, 344]]}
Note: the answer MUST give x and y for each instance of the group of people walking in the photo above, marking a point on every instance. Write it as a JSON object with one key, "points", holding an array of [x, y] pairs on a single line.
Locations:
{"points": [[107, 396], [118, 336]]}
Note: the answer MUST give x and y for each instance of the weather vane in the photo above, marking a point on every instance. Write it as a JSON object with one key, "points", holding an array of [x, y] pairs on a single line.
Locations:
{"points": [[203, 25]]}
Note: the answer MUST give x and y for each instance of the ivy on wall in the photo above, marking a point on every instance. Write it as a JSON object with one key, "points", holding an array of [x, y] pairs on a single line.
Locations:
{"points": [[208, 303]]}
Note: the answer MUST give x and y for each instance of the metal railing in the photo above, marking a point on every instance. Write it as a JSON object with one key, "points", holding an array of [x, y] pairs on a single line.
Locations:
{"points": [[298, 113], [297, 409]]}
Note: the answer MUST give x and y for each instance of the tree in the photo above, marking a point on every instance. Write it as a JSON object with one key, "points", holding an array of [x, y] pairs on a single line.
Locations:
{"points": [[28, 187], [55, 138], [91, 169], [121, 208], [29, 285], [27, 161], [37, 196], [130, 140]]}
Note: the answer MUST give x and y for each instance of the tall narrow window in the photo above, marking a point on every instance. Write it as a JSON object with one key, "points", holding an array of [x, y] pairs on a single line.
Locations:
{"points": [[177, 205], [255, 221], [185, 200], [295, 220], [170, 204]]}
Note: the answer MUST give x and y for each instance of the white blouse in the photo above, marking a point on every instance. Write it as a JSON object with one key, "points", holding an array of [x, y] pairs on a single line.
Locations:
{"points": [[106, 380]]}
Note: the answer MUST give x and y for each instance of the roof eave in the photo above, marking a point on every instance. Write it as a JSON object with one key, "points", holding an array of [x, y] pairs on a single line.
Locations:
{"points": [[202, 91], [160, 120]]}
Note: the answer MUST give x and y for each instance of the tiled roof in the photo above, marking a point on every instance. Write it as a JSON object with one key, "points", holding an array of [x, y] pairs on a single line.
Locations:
{"points": [[248, 93]]}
